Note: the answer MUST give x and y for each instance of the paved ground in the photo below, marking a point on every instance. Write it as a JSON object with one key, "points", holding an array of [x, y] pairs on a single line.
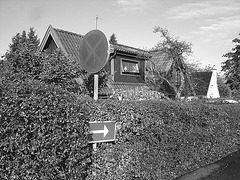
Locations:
{"points": [[228, 168]]}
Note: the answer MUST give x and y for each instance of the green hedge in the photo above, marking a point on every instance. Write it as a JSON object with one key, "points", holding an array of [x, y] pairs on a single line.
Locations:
{"points": [[43, 133], [163, 139]]}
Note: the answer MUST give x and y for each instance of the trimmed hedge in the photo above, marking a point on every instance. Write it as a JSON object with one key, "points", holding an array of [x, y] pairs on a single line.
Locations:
{"points": [[163, 139], [43, 134]]}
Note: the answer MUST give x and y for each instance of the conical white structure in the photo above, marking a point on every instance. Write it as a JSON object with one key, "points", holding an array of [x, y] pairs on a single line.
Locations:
{"points": [[213, 86]]}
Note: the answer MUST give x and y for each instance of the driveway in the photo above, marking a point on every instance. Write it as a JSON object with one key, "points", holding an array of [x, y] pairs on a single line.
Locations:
{"points": [[227, 168]]}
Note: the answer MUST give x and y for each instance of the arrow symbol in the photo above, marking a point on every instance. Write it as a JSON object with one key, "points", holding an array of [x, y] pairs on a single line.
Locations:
{"points": [[104, 131]]}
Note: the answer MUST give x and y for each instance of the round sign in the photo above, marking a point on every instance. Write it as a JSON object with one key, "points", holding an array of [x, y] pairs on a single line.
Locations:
{"points": [[94, 51]]}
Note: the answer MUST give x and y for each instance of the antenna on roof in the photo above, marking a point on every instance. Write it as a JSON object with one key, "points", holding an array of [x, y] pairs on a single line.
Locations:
{"points": [[97, 18]]}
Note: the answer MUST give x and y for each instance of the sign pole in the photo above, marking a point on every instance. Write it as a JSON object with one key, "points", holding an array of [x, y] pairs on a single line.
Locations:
{"points": [[94, 146], [95, 90], [95, 97]]}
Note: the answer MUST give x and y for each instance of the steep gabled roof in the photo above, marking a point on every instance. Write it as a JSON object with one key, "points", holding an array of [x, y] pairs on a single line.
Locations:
{"points": [[131, 50], [200, 82], [162, 61], [69, 43]]}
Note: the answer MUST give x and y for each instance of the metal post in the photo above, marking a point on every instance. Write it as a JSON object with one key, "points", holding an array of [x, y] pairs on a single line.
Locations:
{"points": [[94, 146], [95, 97]]}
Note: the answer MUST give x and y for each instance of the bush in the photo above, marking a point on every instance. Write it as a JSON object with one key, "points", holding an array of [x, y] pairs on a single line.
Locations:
{"points": [[62, 71], [163, 139], [43, 133]]}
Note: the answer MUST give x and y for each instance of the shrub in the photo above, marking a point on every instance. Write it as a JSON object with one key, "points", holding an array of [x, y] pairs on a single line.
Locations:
{"points": [[163, 139], [43, 133], [103, 78], [61, 71]]}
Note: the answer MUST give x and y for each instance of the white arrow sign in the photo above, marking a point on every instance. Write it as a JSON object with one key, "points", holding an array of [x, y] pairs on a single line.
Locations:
{"points": [[104, 131]]}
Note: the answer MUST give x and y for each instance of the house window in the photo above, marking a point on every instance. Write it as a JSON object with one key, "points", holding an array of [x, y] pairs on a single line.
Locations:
{"points": [[130, 67]]}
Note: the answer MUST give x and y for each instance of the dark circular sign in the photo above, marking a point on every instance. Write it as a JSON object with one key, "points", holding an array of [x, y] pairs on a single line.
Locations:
{"points": [[94, 51]]}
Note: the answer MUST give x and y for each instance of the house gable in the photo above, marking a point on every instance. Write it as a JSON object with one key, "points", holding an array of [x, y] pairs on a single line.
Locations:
{"points": [[205, 84], [51, 34], [201, 81], [50, 44]]}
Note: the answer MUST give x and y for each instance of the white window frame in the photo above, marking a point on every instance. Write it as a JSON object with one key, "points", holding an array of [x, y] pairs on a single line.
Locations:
{"points": [[129, 73]]}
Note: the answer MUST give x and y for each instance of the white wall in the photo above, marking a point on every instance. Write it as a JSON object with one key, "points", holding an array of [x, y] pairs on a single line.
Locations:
{"points": [[213, 86]]}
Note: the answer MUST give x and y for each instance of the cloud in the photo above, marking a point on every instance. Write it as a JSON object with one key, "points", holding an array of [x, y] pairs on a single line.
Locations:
{"points": [[215, 21], [219, 30], [204, 9], [131, 6]]}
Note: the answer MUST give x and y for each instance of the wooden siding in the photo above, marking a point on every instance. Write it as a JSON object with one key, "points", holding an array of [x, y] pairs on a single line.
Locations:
{"points": [[50, 45]]}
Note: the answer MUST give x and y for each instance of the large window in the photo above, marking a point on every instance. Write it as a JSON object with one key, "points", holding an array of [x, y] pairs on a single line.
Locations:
{"points": [[130, 67]]}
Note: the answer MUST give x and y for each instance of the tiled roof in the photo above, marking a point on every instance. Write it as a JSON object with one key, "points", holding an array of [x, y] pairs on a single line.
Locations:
{"points": [[162, 61], [70, 41], [200, 82], [128, 49]]}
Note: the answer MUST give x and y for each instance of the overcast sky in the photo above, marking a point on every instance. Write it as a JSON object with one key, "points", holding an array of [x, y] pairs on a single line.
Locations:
{"points": [[210, 25]]}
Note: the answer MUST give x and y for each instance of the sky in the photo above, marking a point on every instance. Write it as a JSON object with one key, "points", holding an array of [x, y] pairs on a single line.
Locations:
{"points": [[210, 25]]}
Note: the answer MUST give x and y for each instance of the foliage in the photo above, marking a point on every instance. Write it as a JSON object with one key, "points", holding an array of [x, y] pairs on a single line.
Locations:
{"points": [[43, 126], [193, 66], [113, 39], [176, 50], [172, 45], [231, 66], [43, 134], [163, 139], [25, 40], [224, 89], [61, 71], [24, 64], [22, 60], [103, 78]]}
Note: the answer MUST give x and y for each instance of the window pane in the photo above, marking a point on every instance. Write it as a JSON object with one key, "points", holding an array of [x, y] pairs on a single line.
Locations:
{"points": [[130, 67]]}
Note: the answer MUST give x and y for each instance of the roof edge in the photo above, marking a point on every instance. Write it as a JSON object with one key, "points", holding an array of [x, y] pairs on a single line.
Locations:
{"points": [[51, 31]]}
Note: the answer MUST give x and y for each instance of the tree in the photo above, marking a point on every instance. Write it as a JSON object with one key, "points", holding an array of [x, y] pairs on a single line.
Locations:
{"points": [[22, 54], [61, 71], [23, 64], [25, 40], [32, 40], [224, 89], [231, 67], [177, 50], [113, 39]]}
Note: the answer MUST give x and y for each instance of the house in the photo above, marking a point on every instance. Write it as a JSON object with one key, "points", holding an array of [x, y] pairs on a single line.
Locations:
{"points": [[167, 66], [205, 84], [126, 64], [172, 71]]}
